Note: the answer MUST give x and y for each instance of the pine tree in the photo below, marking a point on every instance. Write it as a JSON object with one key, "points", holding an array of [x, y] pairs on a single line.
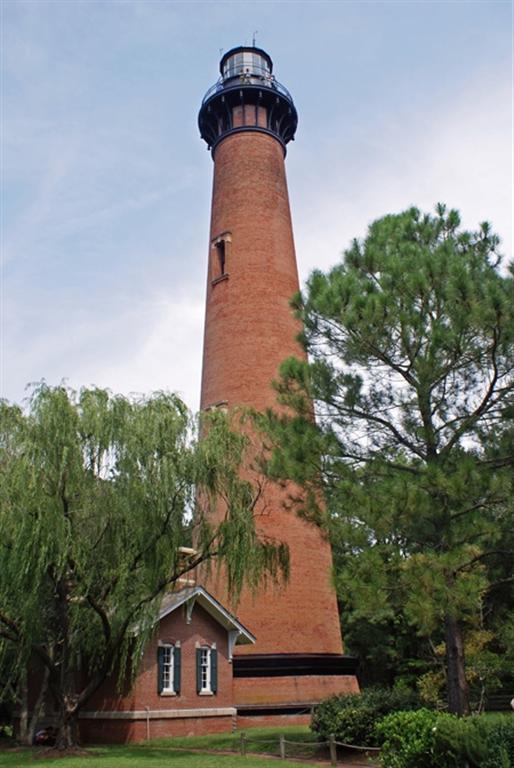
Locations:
{"points": [[411, 346]]}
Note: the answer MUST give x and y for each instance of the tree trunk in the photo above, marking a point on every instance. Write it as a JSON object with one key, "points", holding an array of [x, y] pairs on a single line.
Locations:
{"points": [[28, 721], [67, 729], [458, 693], [23, 693], [38, 707]]}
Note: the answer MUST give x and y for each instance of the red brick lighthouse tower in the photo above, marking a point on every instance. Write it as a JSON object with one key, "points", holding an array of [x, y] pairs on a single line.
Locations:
{"points": [[247, 118]]}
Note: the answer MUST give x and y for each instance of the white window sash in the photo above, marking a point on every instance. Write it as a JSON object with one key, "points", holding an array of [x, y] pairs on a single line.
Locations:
{"points": [[168, 670], [205, 669]]}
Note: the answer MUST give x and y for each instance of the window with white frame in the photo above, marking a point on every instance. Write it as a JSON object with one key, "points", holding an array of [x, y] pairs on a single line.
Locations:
{"points": [[206, 670], [167, 669], [168, 661]]}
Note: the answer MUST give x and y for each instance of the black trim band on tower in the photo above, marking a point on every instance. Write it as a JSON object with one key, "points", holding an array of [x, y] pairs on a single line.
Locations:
{"points": [[250, 710], [216, 116], [247, 128], [294, 665]]}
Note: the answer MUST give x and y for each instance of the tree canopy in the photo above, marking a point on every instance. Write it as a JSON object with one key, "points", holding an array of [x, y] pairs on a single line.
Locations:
{"points": [[411, 347], [99, 493]]}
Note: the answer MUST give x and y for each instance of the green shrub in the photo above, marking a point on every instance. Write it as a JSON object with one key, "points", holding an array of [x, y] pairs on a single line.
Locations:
{"points": [[500, 742], [478, 742], [354, 725], [347, 717], [351, 718], [407, 739], [460, 741], [425, 739]]}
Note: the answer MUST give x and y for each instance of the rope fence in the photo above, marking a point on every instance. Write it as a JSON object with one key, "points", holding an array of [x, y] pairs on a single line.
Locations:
{"points": [[308, 749]]}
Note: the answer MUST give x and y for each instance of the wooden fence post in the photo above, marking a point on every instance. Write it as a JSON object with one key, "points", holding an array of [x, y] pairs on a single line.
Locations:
{"points": [[243, 744], [333, 749], [283, 747]]}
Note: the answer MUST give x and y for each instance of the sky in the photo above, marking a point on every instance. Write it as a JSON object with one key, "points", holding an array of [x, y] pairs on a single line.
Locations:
{"points": [[106, 183]]}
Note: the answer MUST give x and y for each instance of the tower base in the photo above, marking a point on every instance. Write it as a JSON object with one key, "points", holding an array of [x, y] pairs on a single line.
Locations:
{"points": [[283, 688]]}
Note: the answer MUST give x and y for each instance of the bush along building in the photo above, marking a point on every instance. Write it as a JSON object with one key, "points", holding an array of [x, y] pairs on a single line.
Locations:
{"points": [[247, 119]]}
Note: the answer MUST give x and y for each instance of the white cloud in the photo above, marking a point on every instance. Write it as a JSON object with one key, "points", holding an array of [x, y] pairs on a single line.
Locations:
{"points": [[167, 354], [156, 344], [460, 155]]}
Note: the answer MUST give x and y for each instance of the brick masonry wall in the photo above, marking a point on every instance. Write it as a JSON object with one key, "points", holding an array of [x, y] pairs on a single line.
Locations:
{"points": [[203, 630], [304, 688], [249, 331], [122, 732], [265, 721]]}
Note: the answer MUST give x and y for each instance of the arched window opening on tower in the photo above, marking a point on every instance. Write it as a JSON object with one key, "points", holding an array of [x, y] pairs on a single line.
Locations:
{"points": [[220, 246]]}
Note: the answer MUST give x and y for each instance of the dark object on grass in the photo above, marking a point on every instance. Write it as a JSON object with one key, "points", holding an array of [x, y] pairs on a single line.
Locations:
{"points": [[45, 737]]}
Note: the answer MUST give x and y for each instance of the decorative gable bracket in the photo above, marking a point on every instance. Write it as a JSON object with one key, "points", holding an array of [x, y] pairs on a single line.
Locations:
{"points": [[233, 634], [190, 604]]}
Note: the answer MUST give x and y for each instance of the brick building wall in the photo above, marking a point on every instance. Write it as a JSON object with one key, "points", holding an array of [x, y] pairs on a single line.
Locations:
{"points": [[249, 330], [132, 714], [293, 689]]}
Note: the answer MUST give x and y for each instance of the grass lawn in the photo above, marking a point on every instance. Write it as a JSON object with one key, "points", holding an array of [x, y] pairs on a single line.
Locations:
{"points": [[159, 753], [257, 740], [144, 756]]}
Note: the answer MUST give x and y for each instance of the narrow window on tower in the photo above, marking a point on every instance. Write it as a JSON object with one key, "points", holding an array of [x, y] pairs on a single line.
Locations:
{"points": [[220, 247], [221, 405], [220, 257]]}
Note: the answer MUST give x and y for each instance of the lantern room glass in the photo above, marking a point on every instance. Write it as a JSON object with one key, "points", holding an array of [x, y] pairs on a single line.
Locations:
{"points": [[246, 62]]}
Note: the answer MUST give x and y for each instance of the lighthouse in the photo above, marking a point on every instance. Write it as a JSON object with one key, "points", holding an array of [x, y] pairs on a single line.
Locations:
{"points": [[247, 118]]}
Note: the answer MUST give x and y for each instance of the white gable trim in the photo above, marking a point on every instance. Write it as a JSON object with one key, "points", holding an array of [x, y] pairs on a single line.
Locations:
{"points": [[199, 595]]}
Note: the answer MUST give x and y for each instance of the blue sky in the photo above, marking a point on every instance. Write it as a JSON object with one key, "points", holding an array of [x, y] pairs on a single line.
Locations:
{"points": [[106, 183]]}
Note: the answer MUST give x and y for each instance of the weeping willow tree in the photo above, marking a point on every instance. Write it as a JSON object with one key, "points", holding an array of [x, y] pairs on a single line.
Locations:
{"points": [[98, 494]]}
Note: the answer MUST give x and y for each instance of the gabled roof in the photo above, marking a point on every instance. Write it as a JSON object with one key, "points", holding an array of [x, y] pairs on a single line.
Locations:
{"points": [[198, 594]]}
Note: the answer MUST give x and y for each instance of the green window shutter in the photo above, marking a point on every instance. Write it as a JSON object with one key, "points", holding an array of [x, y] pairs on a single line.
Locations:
{"points": [[160, 669], [176, 669], [214, 670], [198, 670]]}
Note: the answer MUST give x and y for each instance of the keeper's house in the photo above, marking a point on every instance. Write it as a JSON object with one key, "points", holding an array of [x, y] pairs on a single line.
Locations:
{"points": [[184, 685]]}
